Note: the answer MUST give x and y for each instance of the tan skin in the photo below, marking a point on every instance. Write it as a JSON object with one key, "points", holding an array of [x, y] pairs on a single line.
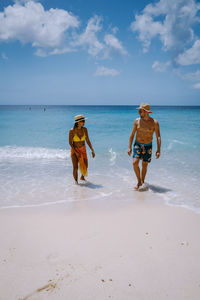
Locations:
{"points": [[144, 135], [79, 130]]}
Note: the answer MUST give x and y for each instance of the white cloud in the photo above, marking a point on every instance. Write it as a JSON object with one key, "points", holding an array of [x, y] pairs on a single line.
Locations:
{"points": [[113, 43], [4, 56], [102, 71], [28, 22], [189, 76], [62, 51], [196, 86], [193, 76], [171, 21], [115, 30], [190, 56], [160, 67], [54, 31], [41, 53], [147, 29], [89, 37]]}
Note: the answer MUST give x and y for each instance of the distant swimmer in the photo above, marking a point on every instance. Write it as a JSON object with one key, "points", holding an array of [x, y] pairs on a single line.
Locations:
{"points": [[144, 128], [77, 137]]}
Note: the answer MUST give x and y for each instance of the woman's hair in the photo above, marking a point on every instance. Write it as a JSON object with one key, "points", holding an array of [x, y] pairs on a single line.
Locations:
{"points": [[75, 125]]}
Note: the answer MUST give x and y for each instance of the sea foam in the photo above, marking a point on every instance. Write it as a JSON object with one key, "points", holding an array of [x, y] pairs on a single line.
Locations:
{"points": [[13, 152]]}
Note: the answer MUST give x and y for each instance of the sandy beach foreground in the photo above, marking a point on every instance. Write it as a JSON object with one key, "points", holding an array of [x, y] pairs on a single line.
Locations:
{"points": [[133, 251]]}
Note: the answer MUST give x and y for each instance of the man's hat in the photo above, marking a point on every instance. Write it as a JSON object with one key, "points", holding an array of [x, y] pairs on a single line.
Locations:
{"points": [[79, 118], [145, 107]]}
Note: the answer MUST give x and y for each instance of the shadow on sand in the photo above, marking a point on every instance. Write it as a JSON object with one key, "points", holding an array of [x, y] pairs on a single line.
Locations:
{"points": [[90, 185], [158, 189]]}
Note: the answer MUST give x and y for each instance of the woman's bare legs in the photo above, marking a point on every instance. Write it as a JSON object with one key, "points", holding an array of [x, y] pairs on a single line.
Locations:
{"points": [[75, 166], [86, 163]]}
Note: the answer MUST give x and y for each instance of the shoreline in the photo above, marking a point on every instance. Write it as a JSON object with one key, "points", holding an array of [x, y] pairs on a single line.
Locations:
{"points": [[152, 199], [141, 250]]}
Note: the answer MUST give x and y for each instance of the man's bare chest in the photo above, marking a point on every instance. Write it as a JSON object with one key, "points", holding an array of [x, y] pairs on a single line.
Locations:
{"points": [[145, 126]]}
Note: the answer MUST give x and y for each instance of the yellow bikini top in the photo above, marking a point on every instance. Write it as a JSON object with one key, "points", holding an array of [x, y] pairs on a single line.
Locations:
{"points": [[76, 138]]}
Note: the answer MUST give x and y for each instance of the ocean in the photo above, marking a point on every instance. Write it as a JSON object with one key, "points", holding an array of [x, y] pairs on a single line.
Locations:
{"points": [[35, 163]]}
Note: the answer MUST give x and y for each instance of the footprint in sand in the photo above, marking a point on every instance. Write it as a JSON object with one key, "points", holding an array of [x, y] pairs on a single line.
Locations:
{"points": [[185, 244], [47, 288], [105, 281], [53, 257]]}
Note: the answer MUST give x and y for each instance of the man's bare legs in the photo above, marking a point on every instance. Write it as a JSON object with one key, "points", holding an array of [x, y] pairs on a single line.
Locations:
{"points": [[144, 170], [136, 168], [137, 172]]}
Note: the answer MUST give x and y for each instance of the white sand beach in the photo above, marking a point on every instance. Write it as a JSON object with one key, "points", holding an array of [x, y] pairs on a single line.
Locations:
{"points": [[131, 251]]}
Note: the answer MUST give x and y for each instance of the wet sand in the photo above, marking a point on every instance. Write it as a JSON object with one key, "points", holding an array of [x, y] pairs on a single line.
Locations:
{"points": [[133, 251]]}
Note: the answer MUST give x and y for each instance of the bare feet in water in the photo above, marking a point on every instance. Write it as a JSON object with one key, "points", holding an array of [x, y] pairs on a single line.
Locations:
{"points": [[82, 177], [136, 188]]}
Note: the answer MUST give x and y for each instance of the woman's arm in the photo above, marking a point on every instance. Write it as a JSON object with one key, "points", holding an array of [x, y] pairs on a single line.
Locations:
{"points": [[88, 142], [71, 135]]}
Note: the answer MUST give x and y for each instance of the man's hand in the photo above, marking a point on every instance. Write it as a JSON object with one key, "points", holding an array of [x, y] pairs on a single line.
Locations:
{"points": [[93, 154], [129, 151], [157, 154]]}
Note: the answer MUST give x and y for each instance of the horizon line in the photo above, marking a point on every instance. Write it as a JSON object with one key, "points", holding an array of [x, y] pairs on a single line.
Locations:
{"points": [[164, 105]]}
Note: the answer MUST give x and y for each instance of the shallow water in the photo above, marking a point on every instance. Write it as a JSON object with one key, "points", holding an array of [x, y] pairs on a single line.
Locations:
{"points": [[35, 164]]}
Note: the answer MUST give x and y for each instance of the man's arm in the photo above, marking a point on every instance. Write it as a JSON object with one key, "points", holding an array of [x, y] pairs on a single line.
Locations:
{"points": [[134, 129], [158, 137], [88, 142]]}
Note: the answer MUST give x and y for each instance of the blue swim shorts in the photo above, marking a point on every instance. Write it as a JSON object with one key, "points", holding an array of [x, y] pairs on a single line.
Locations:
{"points": [[142, 151]]}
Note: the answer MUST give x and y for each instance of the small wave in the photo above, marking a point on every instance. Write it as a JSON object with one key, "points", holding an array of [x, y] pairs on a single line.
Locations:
{"points": [[175, 142], [179, 142], [172, 203], [12, 152], [34, 205], [106, 194], [113, 156]]}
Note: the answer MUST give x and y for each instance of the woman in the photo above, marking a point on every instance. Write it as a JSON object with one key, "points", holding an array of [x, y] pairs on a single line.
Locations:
{"points": [[77, 137]]}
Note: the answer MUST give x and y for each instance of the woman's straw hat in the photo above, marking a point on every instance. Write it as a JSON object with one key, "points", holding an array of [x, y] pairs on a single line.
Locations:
{"points": [[145, 107], [79, 118]]}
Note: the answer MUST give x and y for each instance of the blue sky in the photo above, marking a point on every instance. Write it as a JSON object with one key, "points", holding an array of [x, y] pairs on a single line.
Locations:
{"points": [[100, 52]]}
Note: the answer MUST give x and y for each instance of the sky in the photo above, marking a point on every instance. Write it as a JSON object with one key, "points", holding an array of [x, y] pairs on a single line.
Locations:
{"points": [[89, 52]]}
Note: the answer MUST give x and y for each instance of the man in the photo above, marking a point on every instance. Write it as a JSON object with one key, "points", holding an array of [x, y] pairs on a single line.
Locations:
{"points": [[144, 128]]}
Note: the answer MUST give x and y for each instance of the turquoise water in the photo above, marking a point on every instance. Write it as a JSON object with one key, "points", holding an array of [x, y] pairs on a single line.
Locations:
{"points": [[35, 164]]}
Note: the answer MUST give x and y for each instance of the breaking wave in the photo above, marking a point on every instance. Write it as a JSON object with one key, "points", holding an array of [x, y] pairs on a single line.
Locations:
{"points": [[14, 152]]}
